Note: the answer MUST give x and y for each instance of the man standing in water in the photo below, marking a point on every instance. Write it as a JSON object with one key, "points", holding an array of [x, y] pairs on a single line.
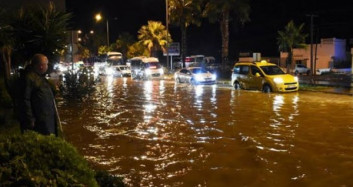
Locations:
{"points": [[39, 110]]}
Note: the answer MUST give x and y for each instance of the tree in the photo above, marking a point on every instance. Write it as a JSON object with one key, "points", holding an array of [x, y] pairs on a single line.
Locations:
{"points": [[41, 30], [137, 49], [103, 49], [184, 13], [123, 42], [154, 36], [220, 10], [292, 37]]}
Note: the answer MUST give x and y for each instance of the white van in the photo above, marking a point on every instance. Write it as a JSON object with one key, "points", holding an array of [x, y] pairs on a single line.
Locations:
{"points": [[115, 58], [145, 67]]}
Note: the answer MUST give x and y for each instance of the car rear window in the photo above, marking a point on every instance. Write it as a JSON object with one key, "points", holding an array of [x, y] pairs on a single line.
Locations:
{"points": [[241, 70], [153, 65]]}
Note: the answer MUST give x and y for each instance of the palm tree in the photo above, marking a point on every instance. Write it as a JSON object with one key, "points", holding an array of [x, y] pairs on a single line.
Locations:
{"points": [[41, 30], [184, 13], [220, 10], [22, 35], [137, 49], [292, 37], [154, 36]]}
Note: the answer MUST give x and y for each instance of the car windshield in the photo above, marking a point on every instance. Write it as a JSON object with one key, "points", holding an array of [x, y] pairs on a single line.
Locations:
{"points": [[198, 71], [301, 66], [153, 65], [272, 70], [122, 68]]}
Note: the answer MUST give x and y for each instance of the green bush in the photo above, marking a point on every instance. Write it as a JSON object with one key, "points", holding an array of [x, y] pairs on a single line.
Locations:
{"points": [[105, 179], [78, 85], [36, 160]]}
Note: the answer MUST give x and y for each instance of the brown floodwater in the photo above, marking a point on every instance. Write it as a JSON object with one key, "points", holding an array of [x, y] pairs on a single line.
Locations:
{"points": [[158, 133]]}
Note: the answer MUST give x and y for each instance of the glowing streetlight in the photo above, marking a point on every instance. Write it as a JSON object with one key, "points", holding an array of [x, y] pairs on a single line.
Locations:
{"points": [[99, 17]]}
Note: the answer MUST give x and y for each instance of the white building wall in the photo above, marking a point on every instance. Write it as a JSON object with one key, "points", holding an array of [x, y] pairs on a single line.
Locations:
{"points": [[328, 49]]}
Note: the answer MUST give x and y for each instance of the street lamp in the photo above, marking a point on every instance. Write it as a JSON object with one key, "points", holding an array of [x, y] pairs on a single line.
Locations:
{"points": [[99, 17]]}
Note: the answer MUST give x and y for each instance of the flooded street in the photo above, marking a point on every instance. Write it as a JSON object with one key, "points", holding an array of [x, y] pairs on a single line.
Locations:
{"points": [[158, 133]]}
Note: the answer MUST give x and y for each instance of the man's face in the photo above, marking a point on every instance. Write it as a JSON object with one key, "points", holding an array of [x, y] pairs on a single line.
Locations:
{"points": [[43, 66]]}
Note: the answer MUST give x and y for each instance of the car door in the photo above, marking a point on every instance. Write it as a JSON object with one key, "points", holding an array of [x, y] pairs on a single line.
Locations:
{"points": [[255, 78], [188, 76], [182, 74], [243, 77]]}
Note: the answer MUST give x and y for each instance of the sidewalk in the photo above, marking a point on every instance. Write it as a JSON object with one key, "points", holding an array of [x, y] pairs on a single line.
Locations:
{"points": [[330, 83]]}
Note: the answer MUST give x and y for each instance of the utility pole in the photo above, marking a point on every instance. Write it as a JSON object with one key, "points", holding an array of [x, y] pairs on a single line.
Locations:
{"points": [[312, 64], [167, 23], [107, 32]]}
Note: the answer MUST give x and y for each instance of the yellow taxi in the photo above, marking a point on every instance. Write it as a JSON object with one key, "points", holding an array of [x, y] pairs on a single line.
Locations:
{"points": [[264, 76]]}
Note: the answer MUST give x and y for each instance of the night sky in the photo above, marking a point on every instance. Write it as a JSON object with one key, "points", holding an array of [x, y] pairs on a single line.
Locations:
{"points": [[334, 19]]}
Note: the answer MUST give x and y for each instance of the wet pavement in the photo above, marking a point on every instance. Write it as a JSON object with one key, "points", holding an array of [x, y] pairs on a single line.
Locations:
{"points": [[159, 133]]}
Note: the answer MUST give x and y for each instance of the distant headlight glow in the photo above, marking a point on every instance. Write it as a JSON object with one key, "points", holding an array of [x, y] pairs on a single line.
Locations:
{"points": [[198, 77], [148, 72], [109, 71], [214, 77]]}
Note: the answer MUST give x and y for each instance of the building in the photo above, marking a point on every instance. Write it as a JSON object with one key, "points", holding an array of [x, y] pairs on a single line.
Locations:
{"points": [[329, 52]]}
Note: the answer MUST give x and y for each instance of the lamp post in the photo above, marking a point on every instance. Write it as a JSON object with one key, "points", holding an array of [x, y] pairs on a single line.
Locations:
{"points": [[98, 17]]}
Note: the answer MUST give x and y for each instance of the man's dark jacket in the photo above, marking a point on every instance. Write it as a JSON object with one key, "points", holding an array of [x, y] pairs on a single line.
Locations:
{"points": [[38, 105]]}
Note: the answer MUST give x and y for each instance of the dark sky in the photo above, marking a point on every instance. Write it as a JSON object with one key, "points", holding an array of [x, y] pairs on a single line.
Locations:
{"points": [[334, 19]]}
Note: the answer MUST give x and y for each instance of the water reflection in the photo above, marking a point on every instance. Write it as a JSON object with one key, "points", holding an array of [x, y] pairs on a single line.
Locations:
{"points": [[158, 133]]}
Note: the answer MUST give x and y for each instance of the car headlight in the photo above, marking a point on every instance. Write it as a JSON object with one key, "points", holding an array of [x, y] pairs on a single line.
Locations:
{"points": [[109, 71], [278, 80], [214, 77], [296, 79], [198, 77], [161, 71], [148, 71]]}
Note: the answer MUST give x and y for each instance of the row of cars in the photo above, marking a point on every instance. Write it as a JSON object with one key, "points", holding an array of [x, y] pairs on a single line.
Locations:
{"points": [[264, 76], [137, 68]]}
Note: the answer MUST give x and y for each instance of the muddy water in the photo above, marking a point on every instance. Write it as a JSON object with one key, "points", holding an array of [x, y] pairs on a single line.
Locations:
{"points": [[158, 133]]}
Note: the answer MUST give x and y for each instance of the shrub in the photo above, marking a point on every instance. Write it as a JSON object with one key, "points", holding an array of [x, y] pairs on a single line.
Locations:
{"points": [[36, 160], [78, 85], [105, 179]]}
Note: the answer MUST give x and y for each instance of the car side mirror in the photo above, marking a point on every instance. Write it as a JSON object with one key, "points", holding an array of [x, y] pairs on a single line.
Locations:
{"points": [[257, 75]]}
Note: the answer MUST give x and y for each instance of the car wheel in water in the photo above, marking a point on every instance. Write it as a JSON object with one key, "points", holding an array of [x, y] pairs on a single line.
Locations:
{"points": [[267, 88], [237, 86]]}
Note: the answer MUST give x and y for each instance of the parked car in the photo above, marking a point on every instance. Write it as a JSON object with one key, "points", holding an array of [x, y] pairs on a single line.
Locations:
{"points": [[263, 76], [195, 75], [119, 71], [301, 69]]}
